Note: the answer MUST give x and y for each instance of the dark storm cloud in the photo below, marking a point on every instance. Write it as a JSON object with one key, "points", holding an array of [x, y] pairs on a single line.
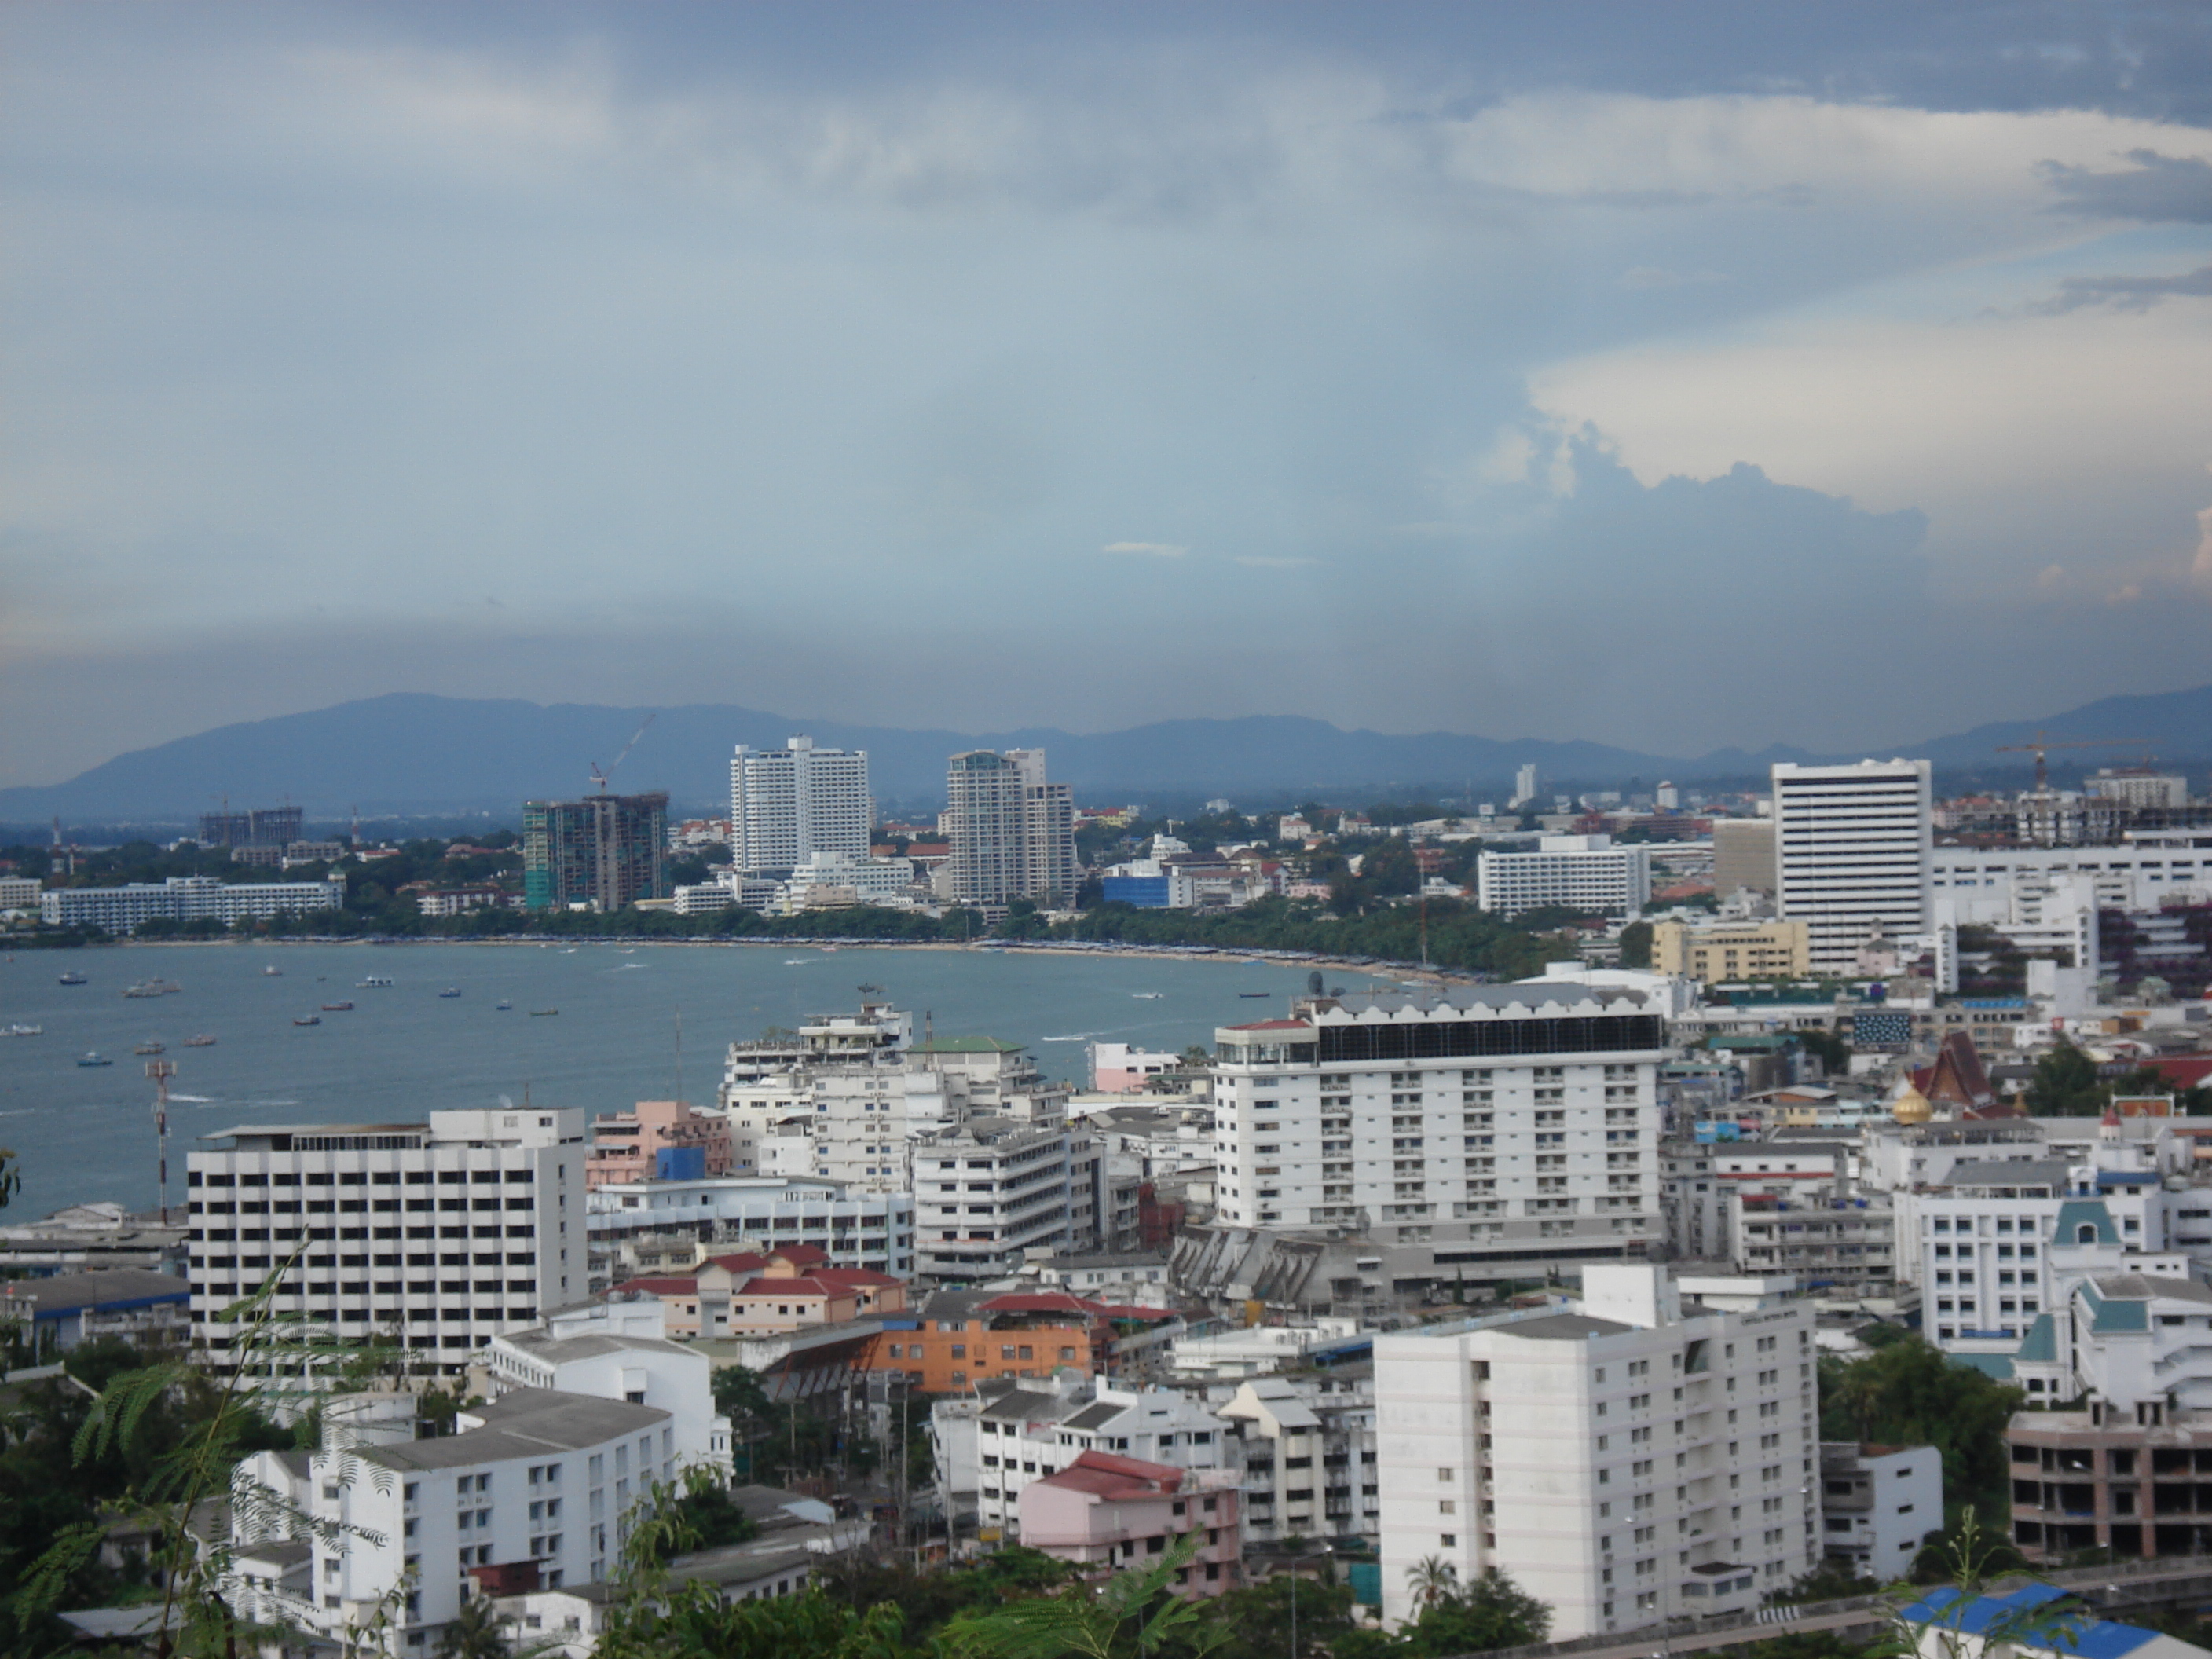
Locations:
{"points": [[2125, 293]]}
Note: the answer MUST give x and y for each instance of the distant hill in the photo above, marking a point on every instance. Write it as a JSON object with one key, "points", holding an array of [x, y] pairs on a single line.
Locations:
{"points": [[415, 754]]}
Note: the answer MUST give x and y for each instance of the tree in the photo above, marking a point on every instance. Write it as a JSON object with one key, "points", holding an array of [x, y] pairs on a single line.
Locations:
{"points": [[1910, 1393], [1833, 1053], [1432, 1579], [2065, 1085], [478, 1633], [1131, 1615], [1636, 944]]}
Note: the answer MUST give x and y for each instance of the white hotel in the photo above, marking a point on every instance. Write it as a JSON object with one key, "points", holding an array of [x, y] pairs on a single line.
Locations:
{"points": [[439, 1234], [1633, 1461], [1852, 851], [788, 805], [184, 898], [1583, 872], [1491, 1114]]}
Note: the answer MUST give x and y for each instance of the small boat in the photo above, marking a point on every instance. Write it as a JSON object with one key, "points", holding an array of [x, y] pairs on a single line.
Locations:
{"points": [[1148, 996], [309, 1019], [143, 991], [272, 971], [542, 1014], [151, 1045], [797, 962], [94, 1057], [203, 1040], [337, 1007], [25, 1030], [165, 986], [451, 991], [503, 1008], [374, 982], [1256, 993], [73, 977]]}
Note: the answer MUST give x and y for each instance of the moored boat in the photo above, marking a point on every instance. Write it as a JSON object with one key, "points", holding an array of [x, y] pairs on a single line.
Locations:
{"points": [[201, 1041], [94, 1057], [73, 977], [151, 1046], [337, 1007], [24, 1030], [309, 1019]]}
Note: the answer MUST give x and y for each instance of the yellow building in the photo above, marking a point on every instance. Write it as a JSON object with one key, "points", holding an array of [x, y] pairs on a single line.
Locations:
{"points": [[1723, 951]]}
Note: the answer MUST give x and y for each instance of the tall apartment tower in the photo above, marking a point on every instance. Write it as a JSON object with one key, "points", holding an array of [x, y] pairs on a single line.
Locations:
{"points": [[1634, 1460], [1012, 833], [439, 1234], [604, 851], [1852, 852], [1512, 1122], [788, 804]]}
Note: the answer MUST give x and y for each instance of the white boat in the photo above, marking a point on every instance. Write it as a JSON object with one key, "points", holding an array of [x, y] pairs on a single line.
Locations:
{"points": [[374, 982], [25, 1030], [272, 971], [1148, 996]]}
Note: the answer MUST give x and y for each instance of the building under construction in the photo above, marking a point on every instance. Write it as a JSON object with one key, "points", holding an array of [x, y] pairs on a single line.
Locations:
{"points": [[602, 853], [264, 826]]}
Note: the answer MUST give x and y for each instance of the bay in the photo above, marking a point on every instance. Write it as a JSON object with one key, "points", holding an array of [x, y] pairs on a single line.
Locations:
{"points": [[86, 1133]]}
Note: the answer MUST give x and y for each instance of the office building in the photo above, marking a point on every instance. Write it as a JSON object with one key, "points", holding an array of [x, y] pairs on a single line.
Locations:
{"points": [[1638, 1458], [1880, 1506], [436, 1235], [1012, 833], [1743, 856], [603, 853], [789, 805], [1493, 1116], [1577, 873], [1852, 851], [186, 898], [1731, 951]]}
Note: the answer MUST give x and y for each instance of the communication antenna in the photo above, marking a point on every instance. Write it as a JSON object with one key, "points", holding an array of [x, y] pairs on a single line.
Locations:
{"points": [[162, 1071]]}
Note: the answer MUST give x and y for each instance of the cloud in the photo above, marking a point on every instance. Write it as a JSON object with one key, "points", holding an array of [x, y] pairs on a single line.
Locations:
{"points": [[2124, 292], [2158, 189], [1149, 549]]}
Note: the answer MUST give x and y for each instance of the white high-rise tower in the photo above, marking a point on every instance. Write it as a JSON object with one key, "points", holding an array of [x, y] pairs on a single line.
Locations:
{"points": [[1852, 846], [788, 805]]}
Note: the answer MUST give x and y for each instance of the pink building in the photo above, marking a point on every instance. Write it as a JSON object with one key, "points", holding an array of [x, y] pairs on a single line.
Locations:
{"points": [[1118, 1069], [1109, 1514], [627, 1146]]}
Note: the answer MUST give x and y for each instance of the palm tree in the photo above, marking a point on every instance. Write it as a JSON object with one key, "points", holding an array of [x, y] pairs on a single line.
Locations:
{"points": [[1433, 1579], [478, 1634]]}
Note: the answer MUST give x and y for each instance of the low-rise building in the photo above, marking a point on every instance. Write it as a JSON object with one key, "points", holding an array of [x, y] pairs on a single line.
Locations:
{"points": [[618, 1350], [1878, 1506], [1104, 1513], [871, 1230], [1307, 1445], [657, 1139], [126, 908], [56, 1313], [1732, 950]]}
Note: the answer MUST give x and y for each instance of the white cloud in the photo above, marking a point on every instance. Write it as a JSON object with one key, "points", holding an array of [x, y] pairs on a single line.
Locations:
{"points": [[1149, 549]]}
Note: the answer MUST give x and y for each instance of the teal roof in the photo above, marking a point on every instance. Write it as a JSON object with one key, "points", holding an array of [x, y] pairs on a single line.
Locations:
{"points": [[2107, 1317], [2040, 1345], [1995, 1365], [2076, 1214]]}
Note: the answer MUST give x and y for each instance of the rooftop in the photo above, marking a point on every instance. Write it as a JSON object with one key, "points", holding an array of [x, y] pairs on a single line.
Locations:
{"points": [[1564, 1328], [528, 1423]]}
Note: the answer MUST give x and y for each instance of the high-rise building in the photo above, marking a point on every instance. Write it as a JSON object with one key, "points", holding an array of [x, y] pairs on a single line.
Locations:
{"points": [[1512, 1120], [1012, 833], [436, 1234], [787, 806], [1630, 1460], [1524, 785], [1852, 846], [1743, 856], [264, 826], [602, 853]]}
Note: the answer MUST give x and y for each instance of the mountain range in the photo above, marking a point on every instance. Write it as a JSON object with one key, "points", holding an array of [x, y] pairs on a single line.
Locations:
{"points": [[412, 753]]}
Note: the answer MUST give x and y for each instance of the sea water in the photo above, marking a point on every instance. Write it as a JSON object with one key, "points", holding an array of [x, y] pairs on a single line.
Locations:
{"points": [[84, 1134]]}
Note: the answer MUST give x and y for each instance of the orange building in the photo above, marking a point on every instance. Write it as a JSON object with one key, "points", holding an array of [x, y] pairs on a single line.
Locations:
{"points": [[959, 1338]]}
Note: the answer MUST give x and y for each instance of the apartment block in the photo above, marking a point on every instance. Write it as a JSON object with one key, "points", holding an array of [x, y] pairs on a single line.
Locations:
{"points": [[1636, 1460], [657, 1137], [436, 1234], [603, 852], [1578, 873], [1878, 1506], [1732, 950], [1306, 1444], [1105, 1513], [987, 1194], [873, 1231], [790, 805], [1852, 853], [1498, 1117], [1012, 833], [125, 909]]}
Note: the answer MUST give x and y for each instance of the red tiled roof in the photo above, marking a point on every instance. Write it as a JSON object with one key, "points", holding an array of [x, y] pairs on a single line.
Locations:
{"points": [[660, 1286], [1105, 1475], [2182, 1071], [855, 1278], [767, 1288], [745, 1262], [1040, 1302], [800, 1255]]}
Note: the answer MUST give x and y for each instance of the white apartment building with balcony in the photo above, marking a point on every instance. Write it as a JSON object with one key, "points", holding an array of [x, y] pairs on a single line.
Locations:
{"points": [[1501, 1117], [788, 805], [1852, 853], [1638, 1460], [874, 1231], [987, 1193], [1581, 872], [437, 1234], [186, 898]]}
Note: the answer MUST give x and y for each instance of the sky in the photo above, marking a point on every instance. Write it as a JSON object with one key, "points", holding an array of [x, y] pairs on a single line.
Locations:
{"points": [[1673, 377]]}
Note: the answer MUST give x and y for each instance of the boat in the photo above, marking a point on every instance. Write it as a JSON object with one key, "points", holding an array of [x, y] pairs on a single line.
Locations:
{"points": [[24, 1030], [1256, 993], [164, 987], [337, 1007], [451, 991], [143, 991], [374, 982], [203, 1040], [1148, 996], [151, 1046], [797, 962], [503, 1006], [73, 977], [94, 1057], [309, 1019], [542, 1014], [272, 971]]}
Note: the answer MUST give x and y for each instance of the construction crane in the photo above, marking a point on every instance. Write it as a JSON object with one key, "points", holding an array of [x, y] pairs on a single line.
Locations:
{"points": [[600, 778], [2043, 743]]}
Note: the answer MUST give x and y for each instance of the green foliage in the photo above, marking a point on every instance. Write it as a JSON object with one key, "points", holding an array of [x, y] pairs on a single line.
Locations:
{"points": [[2065, 1085], [1131, 1615], [1834, 1052], [714, 1519], [1459, 935], [1492, 1612], [1256, 1621], [1911, 1394], [478, 1634], [1636, 944]]}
